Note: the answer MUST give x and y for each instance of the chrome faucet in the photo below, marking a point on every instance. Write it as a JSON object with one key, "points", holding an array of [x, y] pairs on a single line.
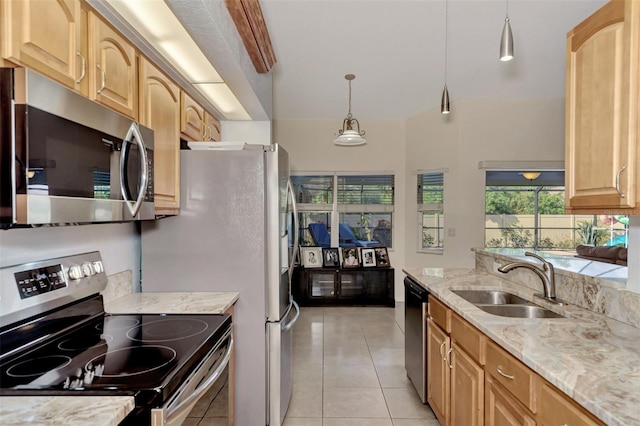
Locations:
{"points": [[545, 272]]}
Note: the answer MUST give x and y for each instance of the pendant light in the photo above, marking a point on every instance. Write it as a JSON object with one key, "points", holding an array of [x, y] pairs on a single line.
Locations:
{"points": [[348, 136], [506, 41], [444, 102]]}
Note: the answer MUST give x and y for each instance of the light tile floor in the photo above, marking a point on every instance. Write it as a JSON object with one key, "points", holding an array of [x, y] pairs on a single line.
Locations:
{"points": [[348, 370]]}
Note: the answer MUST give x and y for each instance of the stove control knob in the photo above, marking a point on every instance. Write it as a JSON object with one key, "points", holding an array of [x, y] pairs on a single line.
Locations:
{"points": [[75, 272], [98, 267], [88, 270]]}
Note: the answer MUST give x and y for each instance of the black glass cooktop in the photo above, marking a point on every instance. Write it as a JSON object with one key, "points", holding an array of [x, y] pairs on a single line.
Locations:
{"points": [[115, 354]]}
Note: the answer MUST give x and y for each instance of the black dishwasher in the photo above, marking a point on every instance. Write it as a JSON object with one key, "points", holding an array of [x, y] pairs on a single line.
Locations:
{"points": [[415, 335]]}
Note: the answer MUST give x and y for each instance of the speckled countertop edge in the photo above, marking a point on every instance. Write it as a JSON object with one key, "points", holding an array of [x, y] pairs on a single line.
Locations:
{"points": [[173, 303], [591, 358]]}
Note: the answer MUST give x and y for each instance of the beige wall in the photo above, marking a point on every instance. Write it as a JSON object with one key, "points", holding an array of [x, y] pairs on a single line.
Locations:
{"points": [[476, 130], [310, 146]]}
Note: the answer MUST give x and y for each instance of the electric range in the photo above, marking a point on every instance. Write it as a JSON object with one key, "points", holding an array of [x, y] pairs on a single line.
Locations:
{"points": [[75, 348]]}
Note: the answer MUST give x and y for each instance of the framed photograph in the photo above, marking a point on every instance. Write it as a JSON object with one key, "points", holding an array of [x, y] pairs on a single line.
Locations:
{"points": [[368, 256], [350, 257], [330, 258], [382, 257], [311, 257]]}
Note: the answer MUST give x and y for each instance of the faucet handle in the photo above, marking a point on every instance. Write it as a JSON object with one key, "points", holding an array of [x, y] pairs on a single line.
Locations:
{"points": [[547, 265]]}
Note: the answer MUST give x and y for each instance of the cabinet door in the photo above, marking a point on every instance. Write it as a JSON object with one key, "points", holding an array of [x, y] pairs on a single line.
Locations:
{"points": [[191, 118], [602, 111], [467, 389], [113, 66], [558, 409], [502, 409], [322, 285], [45, 36], [212, 128], [160, 111], [438, 372]]}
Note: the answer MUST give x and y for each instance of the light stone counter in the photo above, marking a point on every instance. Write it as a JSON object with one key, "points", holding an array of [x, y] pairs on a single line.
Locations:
{"points": [[65, 410], [172, 303], [592, 358], [108, 411]]}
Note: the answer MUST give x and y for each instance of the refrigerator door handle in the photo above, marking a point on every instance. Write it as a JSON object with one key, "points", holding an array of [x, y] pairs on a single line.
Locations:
{"points": [[291, 323], [296, 231]]}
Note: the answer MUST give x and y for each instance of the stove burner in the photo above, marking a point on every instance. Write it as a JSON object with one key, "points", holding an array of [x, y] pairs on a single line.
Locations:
{"points": [[83, 342], [118, 323], [167, 330], [37, 366], [131, 361]]}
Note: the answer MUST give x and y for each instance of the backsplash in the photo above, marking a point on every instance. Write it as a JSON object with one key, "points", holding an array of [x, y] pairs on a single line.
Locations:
{"points": [[118, 285], [602, 296]]}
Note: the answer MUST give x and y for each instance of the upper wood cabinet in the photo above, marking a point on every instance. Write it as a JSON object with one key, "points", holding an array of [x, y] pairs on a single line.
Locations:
{"points": [[191, 118], [114, 70], [602, 114], [212, 128], [160, 111], [45, 36]]}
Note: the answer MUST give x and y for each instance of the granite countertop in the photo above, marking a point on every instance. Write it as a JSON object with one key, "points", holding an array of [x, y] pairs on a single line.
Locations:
{"points": [[590, 357], [173, 303], [108, 411]]}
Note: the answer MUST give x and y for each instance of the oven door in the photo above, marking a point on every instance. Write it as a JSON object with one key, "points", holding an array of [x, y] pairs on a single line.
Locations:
{"points": [[211, 370]]}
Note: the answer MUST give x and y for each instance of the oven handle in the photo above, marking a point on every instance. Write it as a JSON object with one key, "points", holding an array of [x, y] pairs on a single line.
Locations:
{"points": [[134, 134], [168, 416]]}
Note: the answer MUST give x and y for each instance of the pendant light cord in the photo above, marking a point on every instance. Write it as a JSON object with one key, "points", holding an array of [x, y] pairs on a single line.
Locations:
{"points": [[349, 114], [446, 31], [507, 9]]}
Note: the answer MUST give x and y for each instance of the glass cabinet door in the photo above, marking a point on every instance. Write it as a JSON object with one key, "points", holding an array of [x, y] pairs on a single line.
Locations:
{"points": [[352, 285], [322, 285]]}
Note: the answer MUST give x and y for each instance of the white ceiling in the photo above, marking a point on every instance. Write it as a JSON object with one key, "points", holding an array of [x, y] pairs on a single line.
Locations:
{"points": [[396, 50]]}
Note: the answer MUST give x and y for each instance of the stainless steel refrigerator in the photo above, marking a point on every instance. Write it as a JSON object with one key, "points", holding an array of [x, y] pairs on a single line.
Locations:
{"points": [[232, 234]]}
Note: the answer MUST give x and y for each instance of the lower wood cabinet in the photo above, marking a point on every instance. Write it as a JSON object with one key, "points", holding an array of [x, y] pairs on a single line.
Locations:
{"points": [[472, 381], [331, 286]]}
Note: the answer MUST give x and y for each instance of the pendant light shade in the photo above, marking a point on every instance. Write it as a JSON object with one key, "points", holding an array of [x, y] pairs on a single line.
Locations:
{"points": [[444, 103], [506, 40], [347, 135]]}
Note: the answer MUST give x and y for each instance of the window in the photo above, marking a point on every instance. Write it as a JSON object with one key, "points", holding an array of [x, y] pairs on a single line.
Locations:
{"points": [[431, 211], [363, 202], [529, 213]]}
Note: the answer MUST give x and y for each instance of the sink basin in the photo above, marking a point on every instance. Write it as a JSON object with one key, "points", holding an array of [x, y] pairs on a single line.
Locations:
{"points": [[520, 311], [490, 297]]}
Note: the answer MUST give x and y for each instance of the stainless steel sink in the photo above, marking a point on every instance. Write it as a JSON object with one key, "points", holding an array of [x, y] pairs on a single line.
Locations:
{"points": [[520, 311], [490, 297], [505, 304]]}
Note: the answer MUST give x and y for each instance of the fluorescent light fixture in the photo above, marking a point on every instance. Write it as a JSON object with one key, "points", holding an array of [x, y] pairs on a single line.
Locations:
{"points": [[225, 100], [157, 24]]}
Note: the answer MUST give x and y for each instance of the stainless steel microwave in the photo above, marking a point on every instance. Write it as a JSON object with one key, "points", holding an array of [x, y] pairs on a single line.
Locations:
{"points": [[65, 159]]}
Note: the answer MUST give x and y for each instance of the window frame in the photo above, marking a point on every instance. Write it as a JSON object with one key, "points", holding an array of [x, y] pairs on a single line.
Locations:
{"points": [[421, 208]]}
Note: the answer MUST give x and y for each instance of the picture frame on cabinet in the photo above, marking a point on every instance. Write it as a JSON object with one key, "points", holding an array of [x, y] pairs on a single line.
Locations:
{"points": [[382, 257], [311, 257], [350, 258], [330, 257], [368, 256]]}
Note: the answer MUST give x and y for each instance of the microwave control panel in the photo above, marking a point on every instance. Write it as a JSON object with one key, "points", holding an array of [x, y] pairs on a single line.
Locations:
{"points": [[40, 280]]}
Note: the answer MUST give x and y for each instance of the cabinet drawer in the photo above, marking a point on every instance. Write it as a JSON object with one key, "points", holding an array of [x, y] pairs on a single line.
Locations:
{"points": [[512, 374], [440, 313], [468, 338], [558, 409]]}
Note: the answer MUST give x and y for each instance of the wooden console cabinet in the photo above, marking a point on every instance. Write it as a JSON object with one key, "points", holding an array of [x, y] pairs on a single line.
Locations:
{"points": [[332, 286]]}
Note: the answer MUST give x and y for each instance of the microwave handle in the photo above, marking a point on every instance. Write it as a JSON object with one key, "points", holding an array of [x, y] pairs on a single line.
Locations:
{"points": [[134, 135]]}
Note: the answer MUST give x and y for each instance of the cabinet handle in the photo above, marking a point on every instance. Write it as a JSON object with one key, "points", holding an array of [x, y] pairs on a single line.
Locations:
{"points": [[104, 78], [448, 358], [441, 348], [503, 374], [622, 169], [84, 67]]}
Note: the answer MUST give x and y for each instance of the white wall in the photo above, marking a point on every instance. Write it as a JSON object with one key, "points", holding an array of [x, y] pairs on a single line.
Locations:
{"points": [[310, 146], [476, 130], [119, 245], [251, 132]]}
